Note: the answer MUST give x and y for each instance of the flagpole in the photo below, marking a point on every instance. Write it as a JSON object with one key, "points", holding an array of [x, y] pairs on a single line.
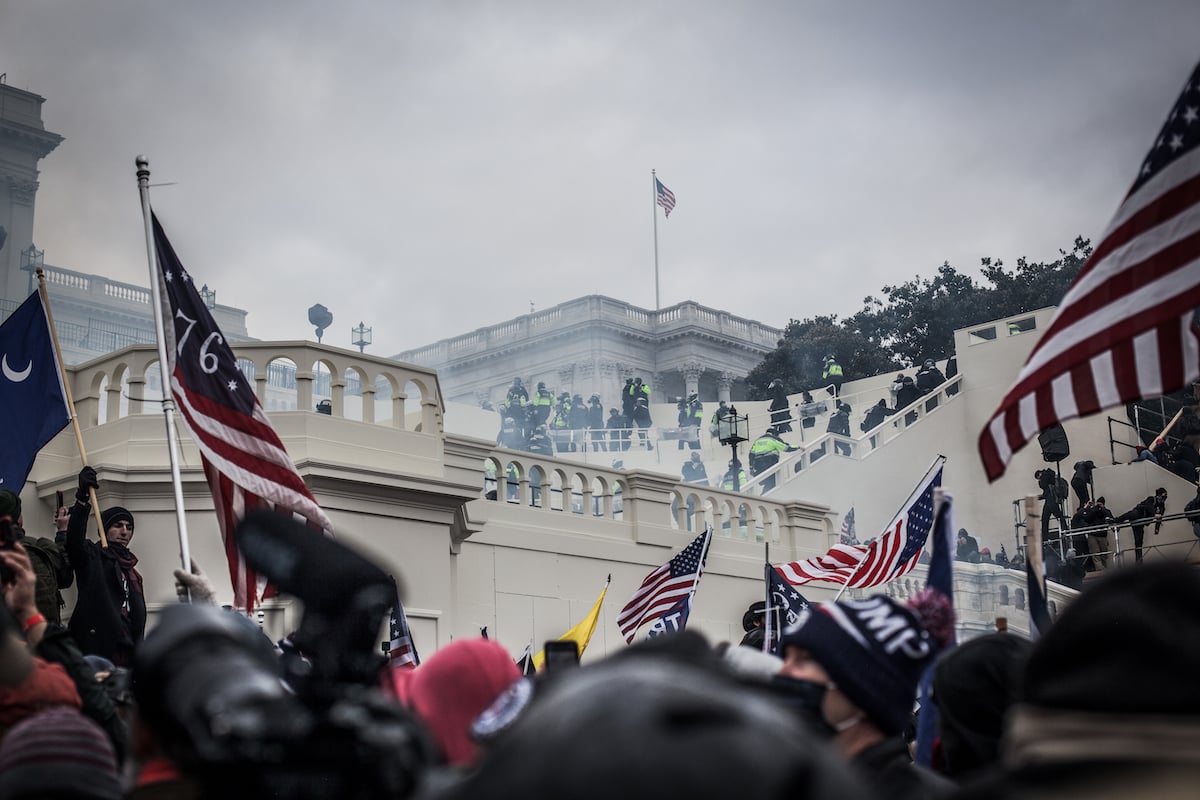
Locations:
{"points": [[920, 487], [654, 211], [168, 400], [62, 374], [769, 611]]}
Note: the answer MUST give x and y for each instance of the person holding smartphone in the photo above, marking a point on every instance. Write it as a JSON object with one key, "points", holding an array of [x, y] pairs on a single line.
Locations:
{"points": [[49, 559]]}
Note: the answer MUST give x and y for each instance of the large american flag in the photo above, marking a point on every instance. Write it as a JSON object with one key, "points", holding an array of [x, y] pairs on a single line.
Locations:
{"points": [[244, 460], [665, 197], [891, 555], [663, 588], [1124, 329], [402, 652]]}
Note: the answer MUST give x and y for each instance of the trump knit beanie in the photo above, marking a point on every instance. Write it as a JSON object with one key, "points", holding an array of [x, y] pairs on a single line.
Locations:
{"points": [[874, 651], [10, 504], [58, 753]]}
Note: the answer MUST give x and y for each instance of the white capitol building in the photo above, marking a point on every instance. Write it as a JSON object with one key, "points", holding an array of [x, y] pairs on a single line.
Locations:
{"points": [[403, 462]]}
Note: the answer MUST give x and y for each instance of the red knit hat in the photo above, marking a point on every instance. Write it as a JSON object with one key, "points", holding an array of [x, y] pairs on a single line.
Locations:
{"points": [[454, 686]]}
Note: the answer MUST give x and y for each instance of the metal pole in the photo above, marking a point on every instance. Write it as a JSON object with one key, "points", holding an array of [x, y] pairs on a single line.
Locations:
{"points": [[168, 400], [654, 211]]}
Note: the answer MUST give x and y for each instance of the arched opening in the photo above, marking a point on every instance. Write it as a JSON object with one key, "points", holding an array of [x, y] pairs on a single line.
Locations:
{"points": [[385, 392], [283, 388], [352, 395]]}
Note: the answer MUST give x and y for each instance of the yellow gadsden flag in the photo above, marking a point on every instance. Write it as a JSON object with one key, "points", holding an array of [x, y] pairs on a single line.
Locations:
{"points": [[581, 634]]}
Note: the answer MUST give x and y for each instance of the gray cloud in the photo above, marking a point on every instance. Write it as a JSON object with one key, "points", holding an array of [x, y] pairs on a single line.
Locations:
{"points": [[429, 168]]}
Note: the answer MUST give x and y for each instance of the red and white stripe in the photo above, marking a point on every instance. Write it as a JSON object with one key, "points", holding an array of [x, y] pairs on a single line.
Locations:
{"points": [[1124, 329]]}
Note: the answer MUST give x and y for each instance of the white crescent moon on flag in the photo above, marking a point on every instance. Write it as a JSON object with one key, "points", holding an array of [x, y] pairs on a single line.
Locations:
{"points": [[13, 375]]}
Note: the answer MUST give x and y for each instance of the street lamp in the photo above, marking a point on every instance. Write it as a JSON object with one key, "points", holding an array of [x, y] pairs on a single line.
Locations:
{"points": [[732, 429], [209, 296], [32, 260], [360, 336]]}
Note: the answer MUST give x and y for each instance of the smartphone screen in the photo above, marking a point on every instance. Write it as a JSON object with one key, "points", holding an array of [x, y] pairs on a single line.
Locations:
{"points": [[560, 655]]}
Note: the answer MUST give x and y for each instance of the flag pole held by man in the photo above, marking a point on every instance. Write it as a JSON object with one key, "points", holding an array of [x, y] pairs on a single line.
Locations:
{"points": [[1124, 330], [244, 460]]}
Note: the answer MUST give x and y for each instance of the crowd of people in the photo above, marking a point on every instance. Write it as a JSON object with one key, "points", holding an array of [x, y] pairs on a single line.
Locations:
{"points": [[825, 706]]}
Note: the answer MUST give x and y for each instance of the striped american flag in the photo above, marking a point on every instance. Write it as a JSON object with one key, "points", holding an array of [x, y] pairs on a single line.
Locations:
{"points": [[402, 652], [665, 587], [244, 461], [891, 555], [1124, 329], [666, 198]]}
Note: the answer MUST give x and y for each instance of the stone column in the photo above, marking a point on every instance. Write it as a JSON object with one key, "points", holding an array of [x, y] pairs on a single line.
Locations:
{"points": [[724, 384], [692, 370], [137, 393], [566, 378]]}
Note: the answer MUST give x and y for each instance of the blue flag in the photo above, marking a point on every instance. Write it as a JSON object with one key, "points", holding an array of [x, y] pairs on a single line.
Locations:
{"points": [[31, 391]]}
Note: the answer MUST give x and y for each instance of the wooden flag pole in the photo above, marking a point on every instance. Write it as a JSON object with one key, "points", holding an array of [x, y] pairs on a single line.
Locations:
{"points": [[1162, 436], [62, 374]]}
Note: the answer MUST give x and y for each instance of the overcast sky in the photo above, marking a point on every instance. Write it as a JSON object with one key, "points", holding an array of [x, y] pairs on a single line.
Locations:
{"points": [[430, 168]]}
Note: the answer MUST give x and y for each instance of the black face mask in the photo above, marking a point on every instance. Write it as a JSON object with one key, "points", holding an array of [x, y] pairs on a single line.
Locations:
{"points": [[804, 699]]}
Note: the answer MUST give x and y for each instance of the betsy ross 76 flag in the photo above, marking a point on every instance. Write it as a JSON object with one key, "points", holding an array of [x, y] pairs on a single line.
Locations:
{"points": [[244, 460], [1124, 329], [31, 391]]}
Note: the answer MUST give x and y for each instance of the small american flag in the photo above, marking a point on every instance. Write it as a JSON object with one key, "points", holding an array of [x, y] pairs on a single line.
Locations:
{"points": [[848, 534], [1124, 329], [244, 460], [401, 651], [666, 198], [663, 588], [889, 556]]}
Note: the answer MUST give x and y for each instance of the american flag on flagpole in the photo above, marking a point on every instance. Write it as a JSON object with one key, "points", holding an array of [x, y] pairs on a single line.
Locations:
{"points": [[848, 535], [402, 652], [244, 461], [891, 555], [666, 198], [1124, 329], [665, 587]]}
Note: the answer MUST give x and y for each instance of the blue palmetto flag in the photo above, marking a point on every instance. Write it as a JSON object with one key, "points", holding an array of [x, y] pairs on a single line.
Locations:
{"points": [[31, 391]]}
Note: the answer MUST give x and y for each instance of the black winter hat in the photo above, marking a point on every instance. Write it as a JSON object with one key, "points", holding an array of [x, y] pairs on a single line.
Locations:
{"points": [[756, 609], [110, 516], [1130, 644], [10, 504], [874, 650]]}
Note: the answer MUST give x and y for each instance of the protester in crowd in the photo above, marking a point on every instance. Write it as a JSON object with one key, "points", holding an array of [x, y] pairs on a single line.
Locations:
{"points": [[907, 395], [1097, 520], [781, 412], [1081, 481], [694, 471], [560, 424], [541, 404], [618, 431], [1143, 453], [511, 436], [578, 419], [49, 559], [539, 442], [951, 373], [1150, 509], [450, 689], [110, 612], [1002, 557], [58, 753], [875, 416], [1108, 705], [929, 377], [854, 665], [968, 547], [754, 624], [1192, 509], [1185, 460], [894, 389], [985, 556], [974, 686], [628, 398], [595, 423], [664, 719], [839, 423], [809, 409], [691, 418], [1054, 492]]}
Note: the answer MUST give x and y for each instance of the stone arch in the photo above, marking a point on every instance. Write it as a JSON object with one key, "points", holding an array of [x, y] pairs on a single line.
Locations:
{"points": [[114, 404], [491, 482], [354, 406], [537, 479], [579, 499], [510, 479], [283, 385], [327, 386], [151, 390]]}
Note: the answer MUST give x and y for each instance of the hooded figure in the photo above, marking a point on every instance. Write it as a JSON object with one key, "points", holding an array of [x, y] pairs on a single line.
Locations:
{"points": [[781, 413]]}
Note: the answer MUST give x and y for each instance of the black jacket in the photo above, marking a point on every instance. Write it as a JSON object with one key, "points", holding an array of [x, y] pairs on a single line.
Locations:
{"points": [[97, 624], [887, 766], [58, 647]]}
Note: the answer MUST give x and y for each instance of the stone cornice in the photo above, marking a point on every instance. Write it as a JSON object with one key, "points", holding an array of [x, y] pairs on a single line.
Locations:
{"points": [[38, 142]]}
